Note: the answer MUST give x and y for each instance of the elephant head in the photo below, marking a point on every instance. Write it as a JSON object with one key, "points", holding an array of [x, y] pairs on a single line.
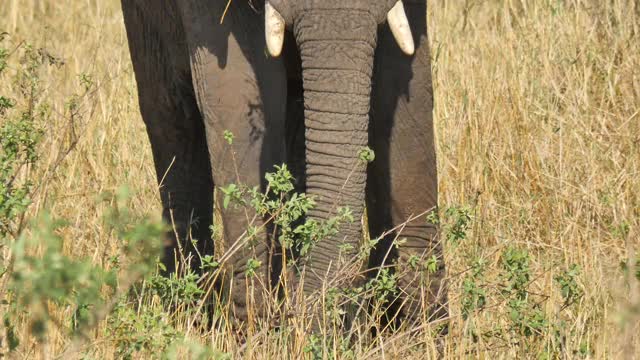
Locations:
{"points": [[336, 40], [275, 25]]}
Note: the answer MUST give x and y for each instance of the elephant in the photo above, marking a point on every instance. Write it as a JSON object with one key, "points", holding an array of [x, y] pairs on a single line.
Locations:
{"points": [[308, 83]]}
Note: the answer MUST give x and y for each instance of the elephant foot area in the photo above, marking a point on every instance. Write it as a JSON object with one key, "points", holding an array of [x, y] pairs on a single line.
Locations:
{"points": [[250, 300], [421, 301], [422, 293], [257, 305]]}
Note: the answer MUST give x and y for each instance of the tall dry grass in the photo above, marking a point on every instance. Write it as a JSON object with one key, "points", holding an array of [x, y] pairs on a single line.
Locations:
{"points": [[538, 133]]}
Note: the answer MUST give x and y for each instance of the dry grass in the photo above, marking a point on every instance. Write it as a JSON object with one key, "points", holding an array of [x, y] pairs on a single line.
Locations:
{"points": [[538, 127]]}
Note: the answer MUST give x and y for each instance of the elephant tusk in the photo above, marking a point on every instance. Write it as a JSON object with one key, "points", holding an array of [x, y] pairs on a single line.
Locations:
{"points": [[274, 30], [400, 28]]}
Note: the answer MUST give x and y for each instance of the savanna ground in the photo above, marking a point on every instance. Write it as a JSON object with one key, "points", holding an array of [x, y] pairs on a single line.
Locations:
{"points": [[538, 137]]}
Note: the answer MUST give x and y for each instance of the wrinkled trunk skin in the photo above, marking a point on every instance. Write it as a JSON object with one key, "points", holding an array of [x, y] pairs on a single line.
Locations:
{"points": [[336, 49]]}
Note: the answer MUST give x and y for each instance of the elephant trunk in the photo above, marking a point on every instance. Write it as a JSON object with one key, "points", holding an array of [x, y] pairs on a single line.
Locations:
{"points": [[337, 66]]}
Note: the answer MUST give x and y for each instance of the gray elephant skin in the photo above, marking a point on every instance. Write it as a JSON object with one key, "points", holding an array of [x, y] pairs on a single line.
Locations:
{"points": [[340, 84]]}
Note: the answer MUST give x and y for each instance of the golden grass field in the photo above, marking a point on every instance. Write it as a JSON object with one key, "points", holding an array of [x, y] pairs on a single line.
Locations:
{"points": [[537, 110]]}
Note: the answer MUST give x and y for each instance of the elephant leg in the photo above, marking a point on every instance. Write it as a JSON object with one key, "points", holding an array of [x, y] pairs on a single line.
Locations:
{"points": [[240, 91], [402, 181], [175, 129]]}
